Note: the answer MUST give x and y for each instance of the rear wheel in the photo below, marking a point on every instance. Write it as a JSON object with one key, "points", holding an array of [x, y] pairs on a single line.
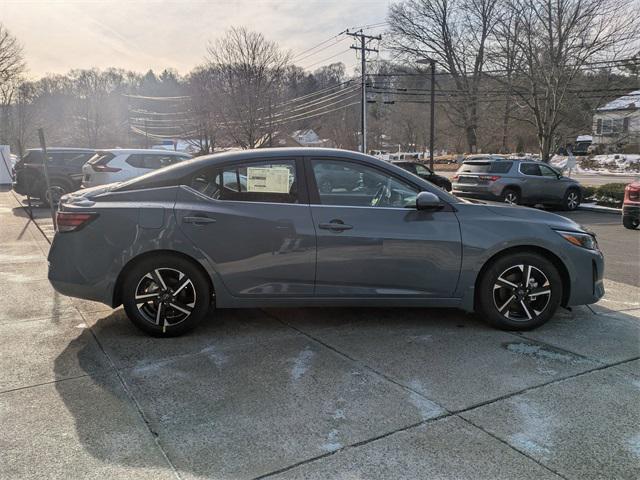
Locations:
{"points": [[166, 296], [571, 200], [630, 222], [511, 196], [519, 291]]}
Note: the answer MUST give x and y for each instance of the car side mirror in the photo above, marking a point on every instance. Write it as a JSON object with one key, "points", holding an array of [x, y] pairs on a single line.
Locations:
{"points": [[428, 201]]}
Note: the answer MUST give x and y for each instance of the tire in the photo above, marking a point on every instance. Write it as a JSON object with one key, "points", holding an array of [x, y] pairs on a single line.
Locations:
{"points": [[178, 313], [571, 200], [511, 196], [499, 303], [630, 222], [57, 190]]}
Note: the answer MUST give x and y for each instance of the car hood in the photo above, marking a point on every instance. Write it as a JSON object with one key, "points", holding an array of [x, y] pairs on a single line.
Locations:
{"points": [[538, 216]]}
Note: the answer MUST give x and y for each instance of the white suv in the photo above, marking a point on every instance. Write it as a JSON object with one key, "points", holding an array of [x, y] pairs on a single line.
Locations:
{"points": [[118, 165]]}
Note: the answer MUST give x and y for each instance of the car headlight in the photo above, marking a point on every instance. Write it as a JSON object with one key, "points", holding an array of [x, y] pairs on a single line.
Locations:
{"points": [[584, 240]]}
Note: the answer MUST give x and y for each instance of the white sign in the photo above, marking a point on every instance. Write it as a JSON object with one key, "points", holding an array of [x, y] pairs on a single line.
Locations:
{"points": [[268, 180]]}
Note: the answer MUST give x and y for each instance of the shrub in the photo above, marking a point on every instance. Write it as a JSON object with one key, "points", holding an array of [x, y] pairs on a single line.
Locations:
{"points": [[610, 194]]}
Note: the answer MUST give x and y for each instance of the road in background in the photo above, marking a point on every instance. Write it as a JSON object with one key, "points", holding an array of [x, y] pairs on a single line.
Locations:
{"points": [[621, 246], [582, 178]]}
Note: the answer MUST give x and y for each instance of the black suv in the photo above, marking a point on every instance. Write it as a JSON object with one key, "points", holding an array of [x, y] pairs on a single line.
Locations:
{"points": [[65, 172], [426, 173]]}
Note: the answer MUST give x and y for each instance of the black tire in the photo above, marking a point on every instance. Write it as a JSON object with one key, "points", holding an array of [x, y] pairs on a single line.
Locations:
{"points": [[194, 298], [500, 304], [571, 199], [630, 222], [511, 196], [57, 190]]}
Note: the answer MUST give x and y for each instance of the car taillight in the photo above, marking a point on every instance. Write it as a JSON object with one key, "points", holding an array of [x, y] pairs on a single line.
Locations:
{"points": [[490, 178], [632, 193], [70, 221], [455, 178], [105, 168]]}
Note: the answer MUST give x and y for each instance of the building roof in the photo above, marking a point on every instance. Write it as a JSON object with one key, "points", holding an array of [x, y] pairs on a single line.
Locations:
{"points": [[630, 101]]}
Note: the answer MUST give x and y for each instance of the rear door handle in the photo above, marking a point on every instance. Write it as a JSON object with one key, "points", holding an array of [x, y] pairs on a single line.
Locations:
{"points": [[198, 220], [335, 226]]}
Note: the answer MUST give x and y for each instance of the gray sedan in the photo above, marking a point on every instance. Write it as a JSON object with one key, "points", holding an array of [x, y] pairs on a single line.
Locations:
{"points": [[253, 229], [515, 181]]}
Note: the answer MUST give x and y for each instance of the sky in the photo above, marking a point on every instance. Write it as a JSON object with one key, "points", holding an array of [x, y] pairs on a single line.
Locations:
{"points": [[58, 35]]}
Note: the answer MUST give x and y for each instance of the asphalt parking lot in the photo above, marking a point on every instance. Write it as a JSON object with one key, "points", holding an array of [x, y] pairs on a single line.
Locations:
{"points": [[315, 393]]}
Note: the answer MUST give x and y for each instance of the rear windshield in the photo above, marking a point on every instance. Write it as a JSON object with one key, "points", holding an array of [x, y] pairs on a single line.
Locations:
{"points": [[485, 167]]}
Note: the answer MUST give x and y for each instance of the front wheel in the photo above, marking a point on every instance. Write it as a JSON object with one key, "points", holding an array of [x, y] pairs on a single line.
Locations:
{"points": [[571, 200], [519, 291], [166, 296]]}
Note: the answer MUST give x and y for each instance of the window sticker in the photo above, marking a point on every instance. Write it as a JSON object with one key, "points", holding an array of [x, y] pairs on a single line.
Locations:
{"points": [[268, 180]]}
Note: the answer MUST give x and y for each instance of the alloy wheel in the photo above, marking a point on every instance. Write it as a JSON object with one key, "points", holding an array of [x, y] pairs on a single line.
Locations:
{"points": [[521, 292], [511, 198], [165, 297], [572, 200]]}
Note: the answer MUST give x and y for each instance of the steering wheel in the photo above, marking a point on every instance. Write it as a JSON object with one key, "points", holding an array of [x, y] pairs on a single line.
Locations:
{"points": [[382, 194]]}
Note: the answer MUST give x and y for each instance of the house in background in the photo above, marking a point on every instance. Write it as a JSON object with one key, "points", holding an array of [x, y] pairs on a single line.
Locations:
{"points": [[616, 125], [309, 138]]}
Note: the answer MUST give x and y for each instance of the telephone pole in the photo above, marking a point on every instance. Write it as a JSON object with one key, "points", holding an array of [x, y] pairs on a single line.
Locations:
{"points": [[364, 40]]}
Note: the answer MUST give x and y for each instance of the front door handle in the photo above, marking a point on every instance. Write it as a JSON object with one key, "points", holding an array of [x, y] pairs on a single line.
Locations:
{"points": [[335, 225], [198, 220]]}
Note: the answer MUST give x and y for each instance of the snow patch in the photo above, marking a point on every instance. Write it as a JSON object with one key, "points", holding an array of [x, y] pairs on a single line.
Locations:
{"points": [[633, 445], [535, 435], [332, 444], [214, 354], [301, 363], [338, 414]]}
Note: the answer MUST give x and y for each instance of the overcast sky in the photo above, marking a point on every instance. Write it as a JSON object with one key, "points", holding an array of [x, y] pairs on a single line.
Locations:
{"points": [[58, 35]]}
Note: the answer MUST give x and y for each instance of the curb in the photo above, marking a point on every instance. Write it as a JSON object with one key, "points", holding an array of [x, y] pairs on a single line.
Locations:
{"points": [[600, 209]]}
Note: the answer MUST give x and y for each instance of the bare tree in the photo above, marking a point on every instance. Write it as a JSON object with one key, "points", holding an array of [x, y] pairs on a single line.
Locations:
{"points": [[11, 58], [454, 33], [558, 39], [249, 71]]}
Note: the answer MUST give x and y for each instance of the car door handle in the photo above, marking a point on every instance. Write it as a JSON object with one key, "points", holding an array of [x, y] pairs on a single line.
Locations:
{"points": [[335, 226], [198, 220]]}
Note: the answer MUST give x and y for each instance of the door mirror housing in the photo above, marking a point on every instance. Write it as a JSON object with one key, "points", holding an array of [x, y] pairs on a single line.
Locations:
{"points": [[428, 201]]}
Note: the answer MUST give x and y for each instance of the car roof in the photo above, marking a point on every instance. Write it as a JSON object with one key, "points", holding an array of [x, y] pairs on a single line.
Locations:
{"points": [[154, 151], [62, 149]]}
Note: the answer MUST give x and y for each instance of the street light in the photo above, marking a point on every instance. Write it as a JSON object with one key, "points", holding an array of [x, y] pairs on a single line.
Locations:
{"points": [[432, 62]]}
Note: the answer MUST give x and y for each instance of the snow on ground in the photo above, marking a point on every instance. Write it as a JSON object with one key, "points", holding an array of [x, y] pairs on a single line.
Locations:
{"points": [[612, 164]]}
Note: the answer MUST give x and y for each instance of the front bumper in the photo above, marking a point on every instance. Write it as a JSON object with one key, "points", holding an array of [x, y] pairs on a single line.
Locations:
{"points": [[586, 277]]}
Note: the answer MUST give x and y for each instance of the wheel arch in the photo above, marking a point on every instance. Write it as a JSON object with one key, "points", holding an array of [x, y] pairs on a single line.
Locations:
{"points": [[117, 290], [512, 186], [557, 262]]}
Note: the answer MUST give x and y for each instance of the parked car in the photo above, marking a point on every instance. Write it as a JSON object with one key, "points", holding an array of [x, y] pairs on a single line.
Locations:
{"points": [[515, 181], [197, 235], [426, 173], [65, 172], [118, 165], [631, 205]]}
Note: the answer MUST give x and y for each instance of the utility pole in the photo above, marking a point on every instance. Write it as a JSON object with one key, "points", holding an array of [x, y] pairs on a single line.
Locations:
{"points": [[364, 40], [432, 126]]}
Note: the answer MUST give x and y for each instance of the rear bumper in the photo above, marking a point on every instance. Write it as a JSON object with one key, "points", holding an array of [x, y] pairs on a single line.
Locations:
{"points": [[471, 192], [630, 210]]}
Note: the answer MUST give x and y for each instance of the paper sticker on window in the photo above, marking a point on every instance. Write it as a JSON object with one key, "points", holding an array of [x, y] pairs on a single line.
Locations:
{"points": [[268, 180]]}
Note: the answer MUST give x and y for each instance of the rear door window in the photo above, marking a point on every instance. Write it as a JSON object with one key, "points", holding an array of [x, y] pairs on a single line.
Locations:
{"points": [[272, 181], [532, 169], [152, 161]]}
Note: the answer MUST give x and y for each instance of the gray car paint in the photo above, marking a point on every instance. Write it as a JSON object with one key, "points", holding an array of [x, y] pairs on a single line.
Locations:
{"points": [[264, 254]]}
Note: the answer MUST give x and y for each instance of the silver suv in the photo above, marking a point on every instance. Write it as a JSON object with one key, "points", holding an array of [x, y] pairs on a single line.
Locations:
{"points": [[516, 181]]}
